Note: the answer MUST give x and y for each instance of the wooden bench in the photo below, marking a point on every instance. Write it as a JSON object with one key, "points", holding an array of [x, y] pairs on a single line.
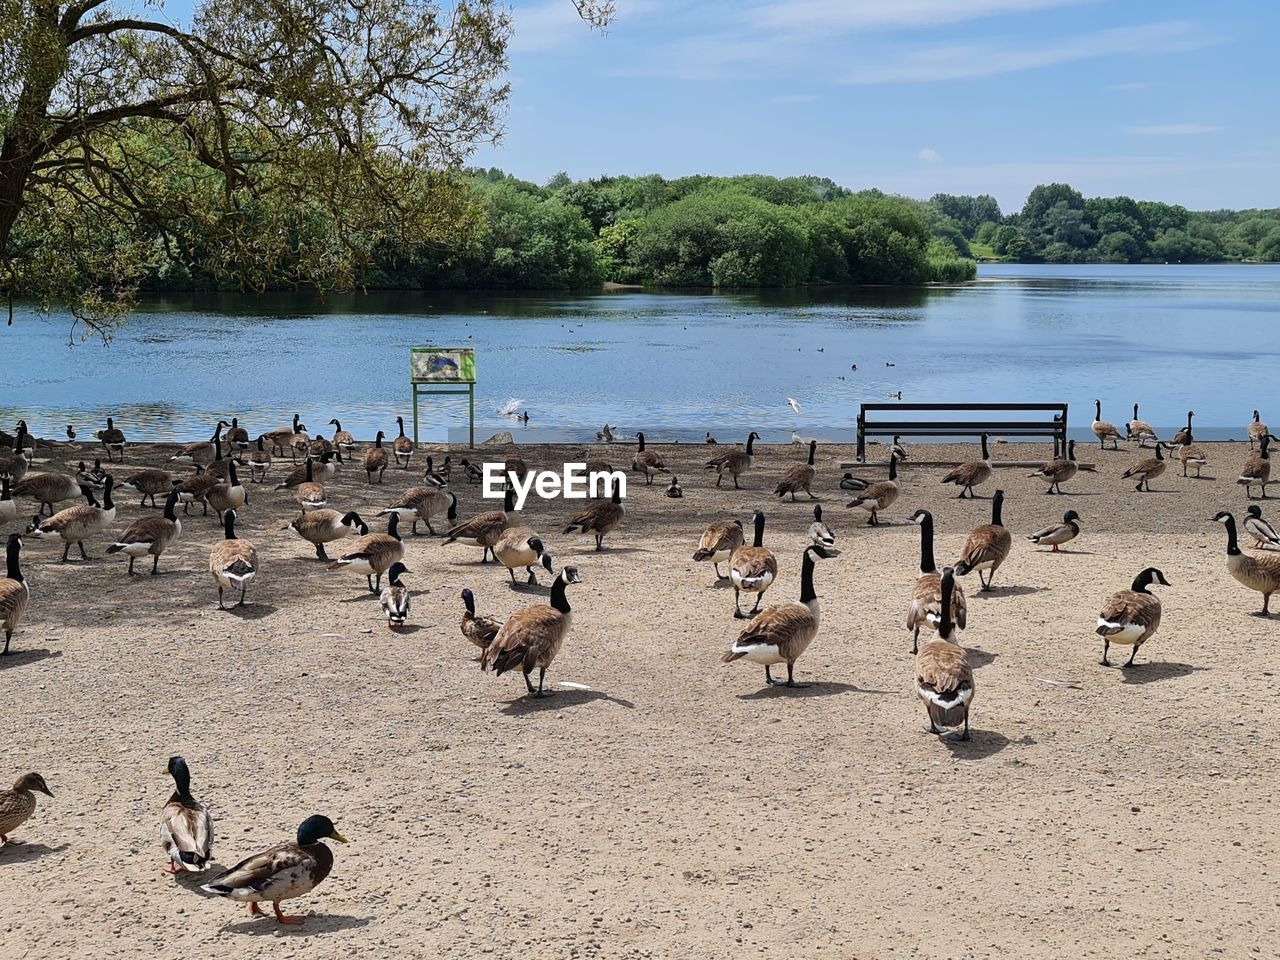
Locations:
{"points": [[1051, 422]]}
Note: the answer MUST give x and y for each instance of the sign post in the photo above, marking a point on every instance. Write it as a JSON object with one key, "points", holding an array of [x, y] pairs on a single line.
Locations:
{"points": [[444, 371]]}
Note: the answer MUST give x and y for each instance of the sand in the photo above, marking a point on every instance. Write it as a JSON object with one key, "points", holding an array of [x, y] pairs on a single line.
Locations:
{"points": [[676, 808]]}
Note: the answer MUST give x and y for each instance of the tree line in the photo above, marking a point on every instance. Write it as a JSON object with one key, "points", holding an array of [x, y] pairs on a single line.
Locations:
{"points": [[1057, 224]]}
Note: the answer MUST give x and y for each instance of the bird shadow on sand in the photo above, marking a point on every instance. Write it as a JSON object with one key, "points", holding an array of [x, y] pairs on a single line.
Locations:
{"points": [[406, 630], [361, 598], [559, 700], [1156, 671], [22, 658], [816, 688], [620, 551], [1074, 553], [531, 589], [979, 658], [25, 852], [313, 924], [995, 593], [251, 611], [982, 744]]}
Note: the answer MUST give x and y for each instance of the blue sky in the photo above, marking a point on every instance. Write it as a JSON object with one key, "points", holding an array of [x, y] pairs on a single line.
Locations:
{"points": [[1170, 100]]}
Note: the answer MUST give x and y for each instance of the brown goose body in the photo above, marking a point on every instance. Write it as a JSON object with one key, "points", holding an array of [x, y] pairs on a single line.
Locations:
{"points": [[925, 609], [1140, 430], [233, 563], [532, 636], [1146, 470], [799, 478], [971, 474], [75, 525], [229, 494], [148, 483], [1257, 469], [987, 546], [320, 470], [149, 536], [1131, 617], [112, 439], [735, 462], [478, 630], [18, 804], [283, 437], [1257, 572], [15, 593], [1059, 471], [647, 461], [201, 453], [342, 439], [319, 527], [259, 461], [1104, 431], [718, 542], [943, 677], [521, 547], [752, 569], [878, 496], [402, 446], [196, 489], [599, 519], [15, 465], [1257, 429], [421, 504], [375, 459], [484, 529], [373, 554], [47, 489]]}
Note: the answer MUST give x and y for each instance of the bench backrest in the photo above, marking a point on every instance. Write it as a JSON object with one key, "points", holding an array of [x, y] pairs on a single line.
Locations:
{"points": [[887, 420]]}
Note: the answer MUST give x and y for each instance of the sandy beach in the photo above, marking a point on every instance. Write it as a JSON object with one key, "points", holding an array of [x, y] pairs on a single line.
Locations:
{"points": [[676, 807]]}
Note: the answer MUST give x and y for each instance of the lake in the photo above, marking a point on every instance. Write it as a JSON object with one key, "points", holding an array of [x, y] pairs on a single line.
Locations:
{"points": [[673, 364]]}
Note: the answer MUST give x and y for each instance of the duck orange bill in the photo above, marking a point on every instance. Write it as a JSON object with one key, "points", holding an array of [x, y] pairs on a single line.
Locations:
{"points": [[339, 837]]}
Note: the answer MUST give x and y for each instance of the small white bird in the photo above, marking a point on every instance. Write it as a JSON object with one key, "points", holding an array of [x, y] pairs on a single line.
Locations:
{"points": [[793, 405]]}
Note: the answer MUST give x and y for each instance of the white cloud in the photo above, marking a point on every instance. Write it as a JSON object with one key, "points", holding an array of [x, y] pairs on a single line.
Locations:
{"points": [[962, 61], [930, 155], [1172, 130], [828, 15]]}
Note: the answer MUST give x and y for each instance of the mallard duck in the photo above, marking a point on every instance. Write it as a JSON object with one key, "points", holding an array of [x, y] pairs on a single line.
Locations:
{"points": [[186, 829], [1264, 535], [781, 633], [971, 474], [1257, 573], [735, 462], [478, 630], [1056, 534], [532, 636], [394, 598], [471, 472], [987, 547], [284, 872], [17, 805], [1131, 617], [1104, 431], [150, 536], [853, 484], [15, 592], [944, 679]]}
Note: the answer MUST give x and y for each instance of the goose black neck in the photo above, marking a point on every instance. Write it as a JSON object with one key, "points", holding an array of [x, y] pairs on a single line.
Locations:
{"points": [[927, 562], [813, 448], [1071, 450], [14, 570], [229, 525], [945, 626], [1233, 546], [997, 502], [807, 592], [217, 432], [640, 440], [393, 526], [893, 467], [617, 491], [759, 538], [107, 503], [1159, 455], [558, 598], [509, 499], [231, 473], [4, 488], [469, 602], [985, 455], [1135, 411], [310, 474], [170, 507], [751, 439]]}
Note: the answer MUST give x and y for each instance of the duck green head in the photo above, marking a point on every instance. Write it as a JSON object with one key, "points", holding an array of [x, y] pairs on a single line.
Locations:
{"points": [[316, 828], [181, 774]]}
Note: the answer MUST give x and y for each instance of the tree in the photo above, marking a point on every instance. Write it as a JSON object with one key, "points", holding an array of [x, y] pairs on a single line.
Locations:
{"points": [[293, 135]]}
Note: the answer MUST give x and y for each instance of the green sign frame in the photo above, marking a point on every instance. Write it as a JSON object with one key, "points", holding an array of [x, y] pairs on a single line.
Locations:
{"points": [[444, 371]]}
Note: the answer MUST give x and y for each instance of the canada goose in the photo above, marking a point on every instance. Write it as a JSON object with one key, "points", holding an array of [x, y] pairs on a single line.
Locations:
{"points": [[1183, 435], [606, 434], [373, 554], [674, 490], [484, 529], [283, 437], [318, 447], [878, 496], [319, 527], [1104, 431], [819, 532], [14, 592], [944, 679], [1058, 471], [926, 595], [799, 478], [1257, 429], [1264, 535], [711, 440], [1256, 573], [521, 547], [971, 474], [532, 636], [219, 466], [599, 519], [93, 476], [196, 489], [1132, 616], [718, 542], [752, 569], [77, 524], [342, 440], [1139, 430], [300, 442], [186, 829], [477, 630], [471, 472], [150, 535], [1257, 470], [647, 461], [71, 432], [237, 436], [47, 489], [403, 446], [375, 459], [853, 484], [233, 563], [200, 454], [987, 546], [229, 495], [394, 598], [148, 483], [8, 509], [259, 462], [1191, 456], [898, 449], [283, 872], [1057, 534], [312, 472], [735, 462], [15, 465], [17, 805], [309, 492], [782, 632], [1144, 471], [112, 440], [423, 503]]}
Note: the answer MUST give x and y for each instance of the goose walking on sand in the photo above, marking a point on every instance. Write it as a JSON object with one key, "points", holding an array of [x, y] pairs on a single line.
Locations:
{"points": [[1104, 431], [943, 676], [1131, 617], [987, 547], [1260, 573], [532, 636]]}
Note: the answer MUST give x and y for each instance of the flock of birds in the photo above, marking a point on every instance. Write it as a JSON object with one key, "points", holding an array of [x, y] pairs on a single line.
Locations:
{"points": [[529, 640]]}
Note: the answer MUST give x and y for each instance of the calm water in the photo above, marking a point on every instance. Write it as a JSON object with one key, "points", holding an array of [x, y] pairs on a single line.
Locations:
{"points": [[1172, 337]]}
